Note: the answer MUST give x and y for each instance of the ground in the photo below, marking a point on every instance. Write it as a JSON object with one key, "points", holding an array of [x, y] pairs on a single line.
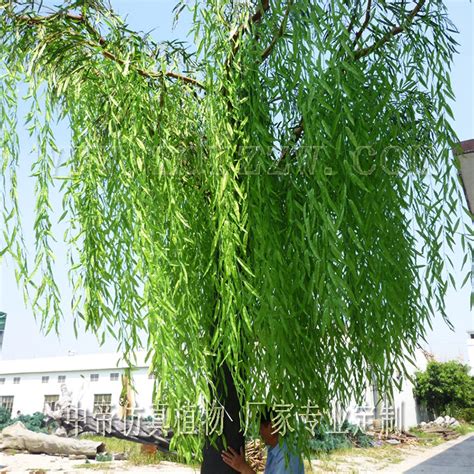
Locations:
{"points": [[43, 464], [455, 456]]}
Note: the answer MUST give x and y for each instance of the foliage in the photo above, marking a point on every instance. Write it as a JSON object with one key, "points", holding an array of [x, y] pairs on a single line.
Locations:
{"points": [[466, 414], [266, 209], [465, 428], [349, 436], [444, 387], [134, 454], [101, 457], [4, 417], [329, 442], [358, 437], [35, 422]]}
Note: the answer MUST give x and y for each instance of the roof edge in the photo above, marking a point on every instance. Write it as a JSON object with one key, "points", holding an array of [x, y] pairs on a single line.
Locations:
{"points": [[466, 146]]}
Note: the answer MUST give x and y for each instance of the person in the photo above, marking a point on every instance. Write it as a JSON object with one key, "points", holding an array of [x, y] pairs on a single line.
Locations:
{"points": [[279, 459]]}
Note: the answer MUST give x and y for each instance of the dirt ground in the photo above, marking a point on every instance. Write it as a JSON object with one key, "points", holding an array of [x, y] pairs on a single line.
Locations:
{"points": [[40, 463], [450, 457], [398, 460]]}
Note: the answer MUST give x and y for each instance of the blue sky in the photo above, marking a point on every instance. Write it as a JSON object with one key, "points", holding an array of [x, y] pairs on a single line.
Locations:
{"points": [[23, 338]]}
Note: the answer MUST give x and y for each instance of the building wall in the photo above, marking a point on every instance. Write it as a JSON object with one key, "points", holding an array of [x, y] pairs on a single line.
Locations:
{"points": [[3, 320], [467, 179], [470, 350], [29, 394], [402, 412]]}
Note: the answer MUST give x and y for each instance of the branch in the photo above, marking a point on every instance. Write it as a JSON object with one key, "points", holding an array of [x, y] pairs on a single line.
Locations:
{"points": [[145, 73], [37, 20], [264, 5], [352, 22], [365, 24], [298, 131], [258, 15], [279, 33], [360, 53], [353, 18], [256, 18], [102, 43]]}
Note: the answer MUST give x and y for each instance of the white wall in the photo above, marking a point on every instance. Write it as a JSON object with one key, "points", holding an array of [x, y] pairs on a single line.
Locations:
{"points": [[470, 348], [30, 392], [402, 412]]}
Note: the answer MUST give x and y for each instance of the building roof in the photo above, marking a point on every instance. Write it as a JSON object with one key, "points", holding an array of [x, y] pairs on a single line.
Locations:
{"points": [[466, 158], [70, 363]]}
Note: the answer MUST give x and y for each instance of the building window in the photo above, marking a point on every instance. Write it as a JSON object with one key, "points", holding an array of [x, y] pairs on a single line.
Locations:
{"points": [[61, 378], [94, 377], [50, 400], [2, 380], [102, 403], [45, 379], [16, 380], [7, 403], [114, 376]]}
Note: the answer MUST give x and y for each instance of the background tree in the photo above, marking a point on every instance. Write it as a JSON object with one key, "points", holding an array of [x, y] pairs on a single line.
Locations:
{"points": [[444, 387], [256, 203]]}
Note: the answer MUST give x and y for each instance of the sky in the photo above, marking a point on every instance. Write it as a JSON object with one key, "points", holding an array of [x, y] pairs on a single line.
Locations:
{"points": [[23, 338]]}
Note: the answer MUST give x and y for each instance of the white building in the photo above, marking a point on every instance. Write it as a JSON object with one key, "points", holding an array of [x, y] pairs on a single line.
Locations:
{"points": [[94, 381], [401, 411], [466, 155], [470, 350]]}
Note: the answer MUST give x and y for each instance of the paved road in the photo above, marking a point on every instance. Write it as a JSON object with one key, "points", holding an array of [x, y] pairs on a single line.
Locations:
{"points": [[456, 457]]}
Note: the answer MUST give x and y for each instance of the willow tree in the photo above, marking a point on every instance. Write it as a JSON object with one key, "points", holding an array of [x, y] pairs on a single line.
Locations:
{"points": [[256, 203]]}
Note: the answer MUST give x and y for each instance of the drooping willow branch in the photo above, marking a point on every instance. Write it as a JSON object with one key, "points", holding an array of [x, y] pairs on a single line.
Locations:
{"points": [[396, 30], [279, 33], [102, 44], [353, 19], [264, 6], [365, 24], [297, 132]]}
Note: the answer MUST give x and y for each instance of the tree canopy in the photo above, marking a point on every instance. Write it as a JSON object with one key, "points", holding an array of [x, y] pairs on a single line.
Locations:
{"points": [[277, 196], [445, 387]]}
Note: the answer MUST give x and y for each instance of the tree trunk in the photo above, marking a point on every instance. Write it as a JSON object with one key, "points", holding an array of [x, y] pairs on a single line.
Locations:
{"points": [[227, 395]]}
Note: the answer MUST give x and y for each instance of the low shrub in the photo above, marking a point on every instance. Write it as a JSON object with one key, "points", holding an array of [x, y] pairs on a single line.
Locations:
{"points": [[348, 436], [444, 387], [4, 417], [35, 422], [465, 414]]}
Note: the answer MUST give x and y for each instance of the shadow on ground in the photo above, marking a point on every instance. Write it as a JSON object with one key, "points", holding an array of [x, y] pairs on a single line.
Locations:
{"points": [[458, 459]]}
